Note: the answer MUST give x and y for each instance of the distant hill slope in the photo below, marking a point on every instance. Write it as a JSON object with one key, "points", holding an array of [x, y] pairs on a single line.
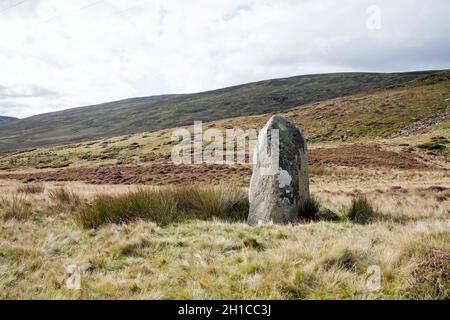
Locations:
{"points": [[412, 118], [160, 112], [6, 119]]}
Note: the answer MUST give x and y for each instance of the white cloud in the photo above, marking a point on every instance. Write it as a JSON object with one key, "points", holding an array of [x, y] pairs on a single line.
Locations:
{"points": [[90, 51]]}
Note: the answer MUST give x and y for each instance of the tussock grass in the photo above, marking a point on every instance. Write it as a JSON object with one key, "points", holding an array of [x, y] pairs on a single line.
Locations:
{"points": [[309, 209], [437, 143], [318, 171], [361, 211], [16, 207], [253, 244], [65, 198], [177, 204], [225, 202], [197, 259], [346, 259], [300, 287], [33, 188], [143, 204], [165, 205], [313, 211]]}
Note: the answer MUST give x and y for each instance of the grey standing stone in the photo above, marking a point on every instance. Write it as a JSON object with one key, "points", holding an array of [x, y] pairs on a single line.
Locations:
{"points": [[280, 183]]}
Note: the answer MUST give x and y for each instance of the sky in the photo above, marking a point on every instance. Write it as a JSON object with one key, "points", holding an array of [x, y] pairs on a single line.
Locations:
{"points": [[59, 54]]}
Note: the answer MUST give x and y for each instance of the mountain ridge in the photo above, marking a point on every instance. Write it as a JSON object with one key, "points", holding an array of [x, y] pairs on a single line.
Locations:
{"points": [[154, 113], [7, 118], [409, 118]]}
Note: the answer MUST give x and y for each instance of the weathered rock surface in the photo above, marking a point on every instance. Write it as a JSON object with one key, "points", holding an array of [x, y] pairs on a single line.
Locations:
{"points": [[280, 181]]}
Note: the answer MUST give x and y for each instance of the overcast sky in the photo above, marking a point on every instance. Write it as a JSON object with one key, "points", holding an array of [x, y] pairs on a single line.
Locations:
{"points": [[57, 54]]}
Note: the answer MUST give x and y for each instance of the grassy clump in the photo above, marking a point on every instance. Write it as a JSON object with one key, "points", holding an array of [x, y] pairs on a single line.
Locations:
{"points": [[346, 259], [145, 205], [253, 244], [222, 202], [319, 171], [309, 209], [65, 198], [33, 188], [432, 146], [361, 211], [303, 284], [327, 215], [165, 205], [16, 207], [436, 144], [440, 139]]}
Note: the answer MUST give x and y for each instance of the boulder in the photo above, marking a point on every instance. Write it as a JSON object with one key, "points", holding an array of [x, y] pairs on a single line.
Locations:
{"points": [[280, 183]]}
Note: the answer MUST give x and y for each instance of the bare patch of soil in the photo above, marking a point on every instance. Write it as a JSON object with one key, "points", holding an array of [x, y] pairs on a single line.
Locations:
{"points": [[166, 173], [156, 173], [359, 155]]}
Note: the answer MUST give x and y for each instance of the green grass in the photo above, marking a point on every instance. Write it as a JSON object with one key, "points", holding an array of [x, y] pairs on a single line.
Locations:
{"points": [[436, 144], [432, 146], [165, 205], [217, 259], [347, 259], [361, 211], [179, 204]]}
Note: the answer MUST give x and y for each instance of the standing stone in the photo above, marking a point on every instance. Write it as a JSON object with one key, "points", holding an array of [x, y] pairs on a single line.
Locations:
{"points": [[280, 181]]}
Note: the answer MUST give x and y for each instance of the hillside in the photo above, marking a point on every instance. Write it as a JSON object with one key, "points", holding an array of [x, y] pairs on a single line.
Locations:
{"points": [[405, 117], [4, 119], [160, 112]]}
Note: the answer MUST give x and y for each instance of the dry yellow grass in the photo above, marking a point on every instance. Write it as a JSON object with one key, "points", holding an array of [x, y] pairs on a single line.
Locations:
{"points": [[216, 259]]}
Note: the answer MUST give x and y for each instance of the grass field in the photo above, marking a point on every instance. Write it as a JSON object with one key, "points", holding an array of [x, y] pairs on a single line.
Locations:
{"points": [[207, 257], [115, 219]]}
